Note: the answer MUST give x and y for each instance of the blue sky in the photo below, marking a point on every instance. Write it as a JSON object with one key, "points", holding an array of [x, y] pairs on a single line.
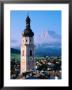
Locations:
{"points": [[46, 26]]}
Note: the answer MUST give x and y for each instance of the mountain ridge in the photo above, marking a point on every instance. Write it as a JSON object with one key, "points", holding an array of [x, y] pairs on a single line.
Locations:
{"points": [[42, 51]]}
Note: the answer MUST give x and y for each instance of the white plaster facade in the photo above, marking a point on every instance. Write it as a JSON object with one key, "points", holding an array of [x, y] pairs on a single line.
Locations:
{"points": [[27, 60]]}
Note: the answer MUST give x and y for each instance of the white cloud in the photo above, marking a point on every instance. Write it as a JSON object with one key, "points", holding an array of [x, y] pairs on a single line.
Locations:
{"points": [[47, 37]]}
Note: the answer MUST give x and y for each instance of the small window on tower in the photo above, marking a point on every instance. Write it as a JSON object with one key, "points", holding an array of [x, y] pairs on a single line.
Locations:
{"points": [[23, 53], [30, 52], [30, 40], [26, 40]]}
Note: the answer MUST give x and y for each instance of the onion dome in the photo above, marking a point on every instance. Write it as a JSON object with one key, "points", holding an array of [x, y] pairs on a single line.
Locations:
{"points": [[28, 32]]}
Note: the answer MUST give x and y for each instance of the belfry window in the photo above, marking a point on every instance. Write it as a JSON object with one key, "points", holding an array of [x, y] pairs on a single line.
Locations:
{"points": [[30, 52], [26, 40]]}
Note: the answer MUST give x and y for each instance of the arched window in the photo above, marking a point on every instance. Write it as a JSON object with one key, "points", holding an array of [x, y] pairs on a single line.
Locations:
{"points": [[30, 52], [23, 53], [26, 40]]}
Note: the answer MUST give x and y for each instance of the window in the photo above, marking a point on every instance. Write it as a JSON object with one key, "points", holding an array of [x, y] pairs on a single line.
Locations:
{"points": [[26, 40], [30, 52], [23, 53]]}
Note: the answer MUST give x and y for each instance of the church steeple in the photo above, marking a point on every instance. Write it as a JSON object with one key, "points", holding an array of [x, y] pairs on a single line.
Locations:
{"points": [[28, 32], [27, 48]]}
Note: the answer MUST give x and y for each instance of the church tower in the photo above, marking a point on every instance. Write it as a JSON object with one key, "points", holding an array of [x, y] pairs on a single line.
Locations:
{"points": [[27, 48]]}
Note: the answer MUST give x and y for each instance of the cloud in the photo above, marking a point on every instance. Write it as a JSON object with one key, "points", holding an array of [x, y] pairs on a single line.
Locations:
{"points": [[14, 41], [54, 34], [49, 37]]}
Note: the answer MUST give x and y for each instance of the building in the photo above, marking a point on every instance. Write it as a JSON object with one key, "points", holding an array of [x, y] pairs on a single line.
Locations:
{"points": [[27, 48]]}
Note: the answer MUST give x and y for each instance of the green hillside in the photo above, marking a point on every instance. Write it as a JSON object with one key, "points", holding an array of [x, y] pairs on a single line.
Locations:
{"points": [[15, 57]]}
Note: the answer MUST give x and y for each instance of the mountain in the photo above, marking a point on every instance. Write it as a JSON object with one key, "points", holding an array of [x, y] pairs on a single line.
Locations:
{"points": [[48, 51], [13, 50], [47, 36], [42, 51]]}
